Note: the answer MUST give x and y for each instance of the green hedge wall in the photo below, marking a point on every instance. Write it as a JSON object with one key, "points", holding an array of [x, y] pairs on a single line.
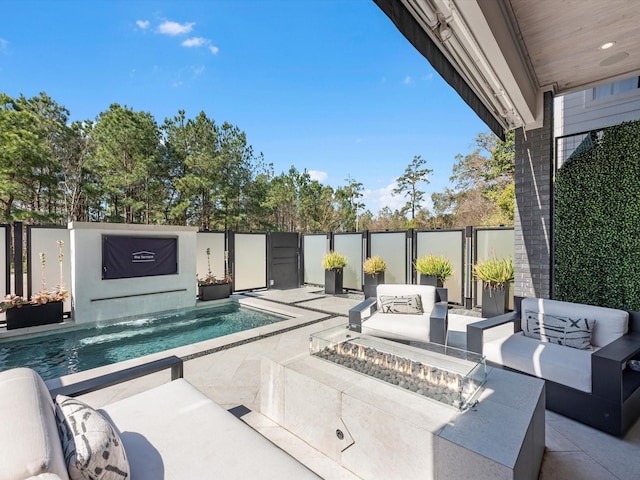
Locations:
{"points": [[597, 222]]}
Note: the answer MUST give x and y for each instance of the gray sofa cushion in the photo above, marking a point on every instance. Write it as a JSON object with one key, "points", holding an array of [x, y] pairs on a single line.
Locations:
{"points": [[610, 325], [560, 364], [29, 443]]}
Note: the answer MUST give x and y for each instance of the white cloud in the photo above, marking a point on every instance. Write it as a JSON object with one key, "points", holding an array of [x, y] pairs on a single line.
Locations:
{"points": [[197, 69], [383, 197], [318, 175], [407, 80], [175, 28], [177, 84], [3, 44], [428, 76], [195, 42], [143, 24]]}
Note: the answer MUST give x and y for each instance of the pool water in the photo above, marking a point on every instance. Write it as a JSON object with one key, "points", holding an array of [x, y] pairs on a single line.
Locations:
{"points": [[75, 350]]}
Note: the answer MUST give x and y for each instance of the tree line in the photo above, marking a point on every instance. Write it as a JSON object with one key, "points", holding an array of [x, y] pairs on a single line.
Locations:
{"points": [[125, 167]]}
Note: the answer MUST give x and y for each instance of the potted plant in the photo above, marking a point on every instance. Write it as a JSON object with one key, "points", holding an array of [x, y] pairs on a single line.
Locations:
{"points": [[45, 307], [212, 288], [374, 268], [333, 264], [434, 270], [496, 275]]}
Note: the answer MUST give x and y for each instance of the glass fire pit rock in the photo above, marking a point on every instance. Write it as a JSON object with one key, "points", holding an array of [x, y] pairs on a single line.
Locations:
{"points": [[448, 375]]}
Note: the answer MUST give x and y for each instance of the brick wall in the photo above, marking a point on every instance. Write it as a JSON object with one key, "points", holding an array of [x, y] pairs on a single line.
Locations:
{"points": [[534, 208]]}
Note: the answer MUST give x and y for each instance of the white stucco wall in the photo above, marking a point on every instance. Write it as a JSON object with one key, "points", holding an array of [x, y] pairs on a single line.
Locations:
{"points": [[95, 299]]}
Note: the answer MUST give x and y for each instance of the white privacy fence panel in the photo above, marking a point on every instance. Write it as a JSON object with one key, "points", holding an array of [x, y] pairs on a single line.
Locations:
{"points": [[489, 243], [392, 247], [215, 242], [350, 245], [449, 244], [45, 240], [250, 261], [314, 248]]}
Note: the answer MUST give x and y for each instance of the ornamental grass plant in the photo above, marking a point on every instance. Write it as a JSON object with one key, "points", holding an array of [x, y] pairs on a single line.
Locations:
{"points": [[494, 272], [374, 265], [334, 261], [440, 266]]}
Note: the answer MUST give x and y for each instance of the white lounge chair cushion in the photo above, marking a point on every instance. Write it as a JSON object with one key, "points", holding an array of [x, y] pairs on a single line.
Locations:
{"points": [[45, 476], [610, 325], [175, 431], [558, 363], [29, 443], [92, 448], [398, 326]]}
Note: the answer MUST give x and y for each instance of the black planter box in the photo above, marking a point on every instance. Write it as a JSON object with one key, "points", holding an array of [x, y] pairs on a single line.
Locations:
{"points": [[215, 291], [333, 281], [34, 315], [430, 280], [495, 301], [371, 283]]}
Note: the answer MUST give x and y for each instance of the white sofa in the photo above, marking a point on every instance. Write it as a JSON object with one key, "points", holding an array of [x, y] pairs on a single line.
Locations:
{"points": [[582, 383], [169, 432], [429, 325]]}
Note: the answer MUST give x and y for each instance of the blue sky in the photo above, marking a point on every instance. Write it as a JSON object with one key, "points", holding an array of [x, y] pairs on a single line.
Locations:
{"points": [[324, 85]]}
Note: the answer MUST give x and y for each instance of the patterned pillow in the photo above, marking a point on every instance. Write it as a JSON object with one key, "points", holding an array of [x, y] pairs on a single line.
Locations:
{"points": [[559, 330], [577, 333], [92, 448], [409, 304]]}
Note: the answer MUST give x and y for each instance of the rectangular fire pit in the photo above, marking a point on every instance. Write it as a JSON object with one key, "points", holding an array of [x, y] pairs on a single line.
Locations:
{"points": [[377, 430], [445, 374]]}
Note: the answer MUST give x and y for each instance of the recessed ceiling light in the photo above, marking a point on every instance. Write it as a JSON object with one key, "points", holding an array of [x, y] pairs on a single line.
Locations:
{"points": [[604, 46]]}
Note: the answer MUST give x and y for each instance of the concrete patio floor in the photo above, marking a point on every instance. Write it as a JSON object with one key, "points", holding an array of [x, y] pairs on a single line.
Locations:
{"points": [[231, 377]]}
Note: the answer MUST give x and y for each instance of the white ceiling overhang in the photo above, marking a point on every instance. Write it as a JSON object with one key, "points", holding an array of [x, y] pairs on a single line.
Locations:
{"points": [[507, 53]]}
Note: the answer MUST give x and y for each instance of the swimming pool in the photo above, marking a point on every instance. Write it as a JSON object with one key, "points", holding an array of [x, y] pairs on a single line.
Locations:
{"points": [[75, 350]]}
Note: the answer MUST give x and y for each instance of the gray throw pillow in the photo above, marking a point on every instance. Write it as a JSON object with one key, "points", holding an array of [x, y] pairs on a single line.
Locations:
{"points": [[92, 448], [558, 329], [407, 304]]}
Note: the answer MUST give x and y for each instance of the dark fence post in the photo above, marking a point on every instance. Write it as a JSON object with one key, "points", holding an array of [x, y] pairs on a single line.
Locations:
{"points": [[230, 257], [7, 257], [18, 280], [468, 280]]}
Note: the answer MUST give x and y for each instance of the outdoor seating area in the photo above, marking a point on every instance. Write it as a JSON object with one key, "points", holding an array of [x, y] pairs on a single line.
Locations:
{"points": [[232, 378], [580, 350], [170, 431], [403, 312]]}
